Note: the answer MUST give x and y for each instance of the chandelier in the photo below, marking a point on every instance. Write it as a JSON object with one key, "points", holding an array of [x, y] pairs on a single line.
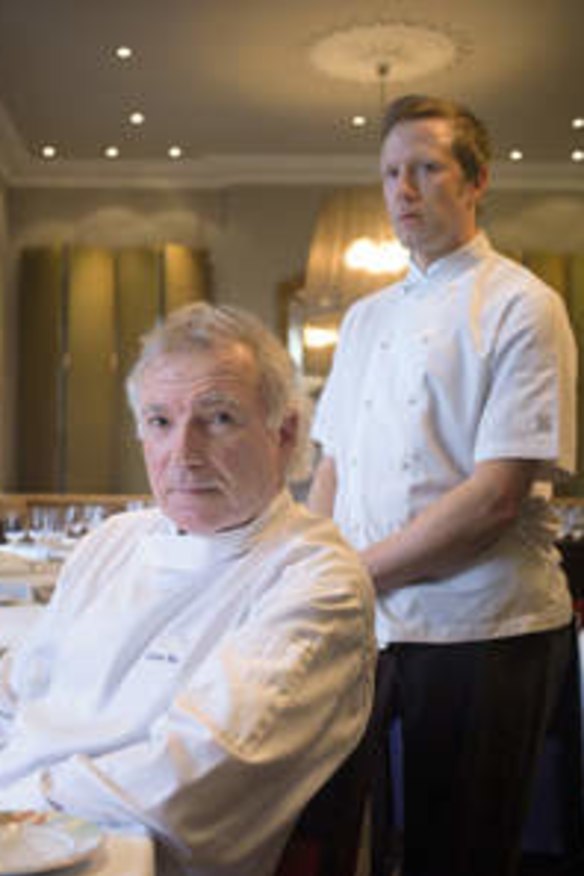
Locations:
{"points": [[353, 250]]}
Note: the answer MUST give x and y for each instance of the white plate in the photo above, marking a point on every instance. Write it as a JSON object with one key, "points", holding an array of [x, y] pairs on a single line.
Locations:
{"points": [[60, 841]]}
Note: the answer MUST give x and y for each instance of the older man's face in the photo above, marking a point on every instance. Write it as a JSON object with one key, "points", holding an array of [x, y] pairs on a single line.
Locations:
{"points": [[212, 461]]}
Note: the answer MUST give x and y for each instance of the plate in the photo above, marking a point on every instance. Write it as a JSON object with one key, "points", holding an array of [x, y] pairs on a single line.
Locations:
{"points": [[58, 841]]}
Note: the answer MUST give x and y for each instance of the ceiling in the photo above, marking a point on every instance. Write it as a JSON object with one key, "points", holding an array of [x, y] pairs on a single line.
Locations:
{"points": [[232, 83]]}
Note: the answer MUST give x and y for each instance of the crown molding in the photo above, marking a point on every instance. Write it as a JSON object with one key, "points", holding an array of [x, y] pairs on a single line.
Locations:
{"points": [[534, 177], [19, 169], [12, 148], [222, 171], [207, 172]]}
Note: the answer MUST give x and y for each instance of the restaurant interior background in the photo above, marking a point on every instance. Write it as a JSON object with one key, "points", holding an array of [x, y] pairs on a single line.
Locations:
{"points": [[260, 101]]}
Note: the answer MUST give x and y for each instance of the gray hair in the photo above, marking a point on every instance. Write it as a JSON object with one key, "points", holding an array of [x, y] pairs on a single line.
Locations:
{"points": [[202, 326]]}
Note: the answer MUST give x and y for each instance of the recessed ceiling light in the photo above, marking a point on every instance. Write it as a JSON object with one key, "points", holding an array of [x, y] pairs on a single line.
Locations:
{"points": [[578, 123], [516, 155], [111, 152], [578, 155], [358, 121], [49, 151], [175, 152], [137, 118], [124, 53]]}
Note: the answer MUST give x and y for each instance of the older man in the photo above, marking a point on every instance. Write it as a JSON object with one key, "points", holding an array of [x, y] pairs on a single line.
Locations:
{"points": [[205, 665]]}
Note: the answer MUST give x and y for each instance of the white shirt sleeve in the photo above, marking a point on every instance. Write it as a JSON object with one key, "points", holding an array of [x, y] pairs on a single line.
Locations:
{"points": [[530, 403]]}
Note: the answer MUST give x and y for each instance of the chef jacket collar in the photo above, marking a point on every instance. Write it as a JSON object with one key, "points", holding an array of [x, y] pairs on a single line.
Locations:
{"points": [[171, 549], [450, 266]]}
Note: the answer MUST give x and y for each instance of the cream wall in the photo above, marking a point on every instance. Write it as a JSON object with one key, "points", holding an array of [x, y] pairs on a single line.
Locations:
{"points": [[548, 221], [257, 237]]}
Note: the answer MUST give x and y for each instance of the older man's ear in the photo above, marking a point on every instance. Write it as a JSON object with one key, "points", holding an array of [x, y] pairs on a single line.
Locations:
{"points": [[288, 443], [288, 431]]}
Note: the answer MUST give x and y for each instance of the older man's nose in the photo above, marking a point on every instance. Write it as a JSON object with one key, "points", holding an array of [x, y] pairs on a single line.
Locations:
{"points": [[189, 445]]}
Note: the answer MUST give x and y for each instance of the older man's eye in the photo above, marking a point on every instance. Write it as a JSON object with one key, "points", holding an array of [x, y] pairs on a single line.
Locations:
{"points": [[222, 418], [157, 422]]}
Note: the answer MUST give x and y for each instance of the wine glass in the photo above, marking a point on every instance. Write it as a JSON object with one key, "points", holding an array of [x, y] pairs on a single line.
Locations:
{"points": [[12, 527]]}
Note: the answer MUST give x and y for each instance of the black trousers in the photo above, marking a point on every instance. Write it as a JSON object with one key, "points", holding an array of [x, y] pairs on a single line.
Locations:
{"points": [[474, 717]]}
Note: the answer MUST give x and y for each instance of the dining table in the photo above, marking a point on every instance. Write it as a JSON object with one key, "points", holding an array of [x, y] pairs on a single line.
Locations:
{"points": [[28, 574]]}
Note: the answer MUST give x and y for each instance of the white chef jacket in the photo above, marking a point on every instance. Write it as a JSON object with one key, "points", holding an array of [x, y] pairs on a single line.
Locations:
{"points": [[203, 686], [472, 360]]}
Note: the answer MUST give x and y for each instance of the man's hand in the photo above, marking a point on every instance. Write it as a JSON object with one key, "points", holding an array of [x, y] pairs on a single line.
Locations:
{"points": [[451, 533]]}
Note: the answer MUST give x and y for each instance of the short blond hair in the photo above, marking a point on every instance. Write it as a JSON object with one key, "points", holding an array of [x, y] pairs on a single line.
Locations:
{"points": [[471, 144]]}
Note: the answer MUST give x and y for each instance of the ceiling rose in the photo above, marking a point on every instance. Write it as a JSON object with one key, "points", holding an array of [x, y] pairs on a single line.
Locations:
{"points": [[408, 50]]}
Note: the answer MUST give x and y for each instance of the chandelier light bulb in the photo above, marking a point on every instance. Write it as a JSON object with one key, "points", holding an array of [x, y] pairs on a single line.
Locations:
{"points": [[316, 338], [384, 257]]}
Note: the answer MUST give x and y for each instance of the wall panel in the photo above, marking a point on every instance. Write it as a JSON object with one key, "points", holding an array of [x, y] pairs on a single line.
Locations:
{"points": [[39, 372], [91, 379], [139, 295], [82, 312], [185, 276]]}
